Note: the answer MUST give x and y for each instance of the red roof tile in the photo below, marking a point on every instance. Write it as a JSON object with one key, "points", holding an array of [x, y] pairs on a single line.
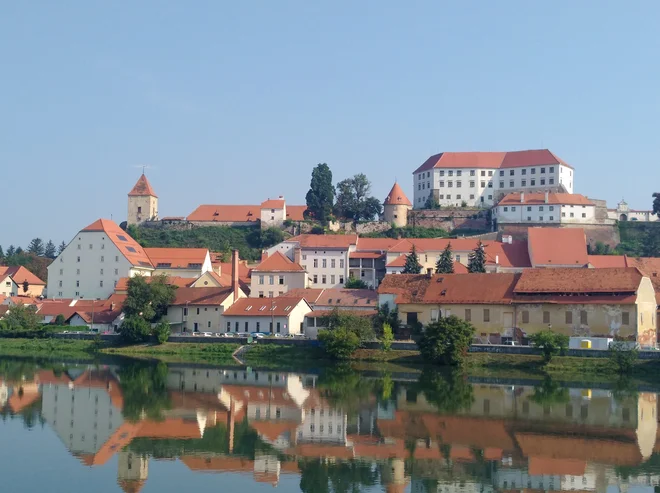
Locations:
{"points": [[557, 246], [347, 298], [324, 241], [376, 244], [540, 466], [535, 157], [19, 274], [400, 261], [226, 213], [296, 212], [176, 258], [538, 198], [201, 296], [600, 261], [373, 255], [264, 307], [344, 311], [128, 247], [511, 159], [310, 295], [579, 281], [142, 188], [278, 262], [397, 197], [273, 204], [181, 282]]}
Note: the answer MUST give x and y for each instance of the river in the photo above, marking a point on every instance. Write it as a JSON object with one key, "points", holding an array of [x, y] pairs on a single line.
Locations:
{"points": [[134, 426]]}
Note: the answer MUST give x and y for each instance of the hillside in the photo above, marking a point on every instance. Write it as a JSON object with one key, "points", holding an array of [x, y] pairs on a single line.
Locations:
{"points": [[639, 239]]}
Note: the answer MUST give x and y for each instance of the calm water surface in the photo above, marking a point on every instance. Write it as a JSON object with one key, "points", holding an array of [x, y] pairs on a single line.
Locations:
{"points": [[157, 428]]}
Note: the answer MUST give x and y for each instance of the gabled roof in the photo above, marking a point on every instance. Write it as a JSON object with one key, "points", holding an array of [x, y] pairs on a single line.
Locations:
{"points": [[511, 159], [296, 212], [278, 262], [324, 241], [376, 244], [601, 261], [538, 198], [310, 295], [579, 281], [557, 247], [181, 282], [19, 274], [273, 204], [142, 188], [202, 296], [128, 247], [176, 258], [343, 297], [400, 261], [397, 197], [264, 307], [226, 213]]}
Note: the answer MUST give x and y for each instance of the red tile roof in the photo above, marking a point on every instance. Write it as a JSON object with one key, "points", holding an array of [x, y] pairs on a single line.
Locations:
{"points": [[128, 247], [176, 258], [19, 274], [397, 197], [296, 212], [273, 204], [600, 261], [264, 307], [182, 282], [278, 262], [538, 198], [142, 188], [201, 296], [579, 281], [540, 466], [511, 159], [460, 268], [311, 295], [344, 311], [513, 255], [400, 261], [324, 241], [376, 244], [557, 246], [373, 255], [347, 298], [226, 213]]}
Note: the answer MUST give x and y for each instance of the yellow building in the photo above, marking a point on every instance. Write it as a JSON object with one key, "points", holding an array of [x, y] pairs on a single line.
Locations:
{"points": [[576, 302]]}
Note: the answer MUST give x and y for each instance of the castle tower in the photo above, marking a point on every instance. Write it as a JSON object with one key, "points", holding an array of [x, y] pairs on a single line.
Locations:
{"points": [[133, 471], [396, 207], [142, 202]]}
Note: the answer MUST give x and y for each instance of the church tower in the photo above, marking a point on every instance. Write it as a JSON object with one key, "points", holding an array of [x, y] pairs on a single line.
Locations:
{"points": [[142, 202], [396, 207], [133, 471]]}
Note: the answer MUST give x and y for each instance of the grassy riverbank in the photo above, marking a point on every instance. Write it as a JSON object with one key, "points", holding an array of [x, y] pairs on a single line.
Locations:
{"points": [[48, 348], [219, 354]]}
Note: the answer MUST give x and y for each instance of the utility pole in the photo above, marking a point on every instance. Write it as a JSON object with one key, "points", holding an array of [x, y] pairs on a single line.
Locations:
{"points": [[272, 315]]}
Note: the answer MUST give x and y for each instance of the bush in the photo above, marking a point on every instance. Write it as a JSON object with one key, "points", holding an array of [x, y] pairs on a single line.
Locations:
{"points": [[446, 342], [353, 283], [387, 337], [162, 332], [59, 320], [317, 230], [135, 329], [550, 343], [339, 343], [622, 357]]}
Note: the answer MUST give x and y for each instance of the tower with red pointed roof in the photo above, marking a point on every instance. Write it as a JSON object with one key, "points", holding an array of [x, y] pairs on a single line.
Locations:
{"points": [[396, 207], [142, 202]]}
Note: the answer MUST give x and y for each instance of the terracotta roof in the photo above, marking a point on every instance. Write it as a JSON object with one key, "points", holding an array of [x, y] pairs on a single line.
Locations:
{"points": [[347, 298], [296, 212], [273, 204], [324, 241], [278, 262], [376, 244], [128, 247], [310, 295], [514, 255], [540, 466], [182, 282], [357, 313], [226, 213], [142, 188], [650, 267], [223, 463], [557, 246], [397, 197], [176, 258], [272, 430], [579, 281], [19, 274], [103, 316], [320, 450], [264, 307], [131, 486], [460, 268], [511, 159], [373, 255], [400, 261], [201, 296], [450, 288], [600, 261], [538, 198]]}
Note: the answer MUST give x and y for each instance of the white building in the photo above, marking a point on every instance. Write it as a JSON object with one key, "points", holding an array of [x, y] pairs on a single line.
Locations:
{"points": [[276, 275], [94, 260], [7, 285], [625, 213], [479, 179], [545, 207], [271, 315]]}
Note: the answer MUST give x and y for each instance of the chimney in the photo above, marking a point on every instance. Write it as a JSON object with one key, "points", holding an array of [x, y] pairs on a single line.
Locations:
{"points": [[547, 194], [234, 273], [497, 260], [264, 255], [522, 197], [281, 197], [296, 255], [112, 306]]}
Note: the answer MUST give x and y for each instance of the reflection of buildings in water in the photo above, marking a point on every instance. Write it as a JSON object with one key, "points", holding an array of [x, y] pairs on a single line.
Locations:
{"points": [[4, 394], [422, 486]]}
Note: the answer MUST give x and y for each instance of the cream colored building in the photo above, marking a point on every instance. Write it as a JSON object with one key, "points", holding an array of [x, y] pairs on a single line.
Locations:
{"points": [[396, 207], [545, 208], [276, 275], [180, 262], [142, 202], [7, 285], [270, 315]]}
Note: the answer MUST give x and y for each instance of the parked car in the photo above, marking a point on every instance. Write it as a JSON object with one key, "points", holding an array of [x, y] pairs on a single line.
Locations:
{"points": [[227, 334], [258, 335], [206, 334]]}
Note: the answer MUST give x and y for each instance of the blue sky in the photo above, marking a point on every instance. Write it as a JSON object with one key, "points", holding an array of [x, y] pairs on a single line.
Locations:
{"points": [[235, 102]]}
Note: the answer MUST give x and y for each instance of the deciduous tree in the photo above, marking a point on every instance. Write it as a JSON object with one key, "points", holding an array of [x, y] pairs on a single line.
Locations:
{"points": [[354, 201], [446, 341], [22, 317], [445, 264], [355, 283], [656, 203], [550, 343], [321, 195]]}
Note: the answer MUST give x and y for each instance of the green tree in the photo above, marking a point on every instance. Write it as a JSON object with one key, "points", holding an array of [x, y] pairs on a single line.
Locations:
{"points": [[134, 329], [49, 250], [2, 255], [432, 203], [622, 357], [445, 264], [446, 341], [353, 199], [549, 393], [265, 238], [449, 392], [11, 251], [60, 320], [362, 327], [339, 343], [22, 317], [387, 338], [656, 204], [144, 390], [550, 343], [321, 195], [388, 316], [650, 244], [19, 250], [26, 286], [162, 332], [412, 265], [36, 247], [138, 300], [477, 259], [61, 248], [355, 283]]}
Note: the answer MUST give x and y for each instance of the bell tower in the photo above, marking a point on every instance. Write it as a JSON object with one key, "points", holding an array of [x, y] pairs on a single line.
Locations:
{"points": [[142, 202]]}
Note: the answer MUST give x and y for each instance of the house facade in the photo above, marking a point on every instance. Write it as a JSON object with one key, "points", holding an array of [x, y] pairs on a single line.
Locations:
{"points": [[94, 261], [545, 207], [282, 315], [270, 213], [7, 285], [199, 309], [276, 275], [480, 179], [180, 262]]}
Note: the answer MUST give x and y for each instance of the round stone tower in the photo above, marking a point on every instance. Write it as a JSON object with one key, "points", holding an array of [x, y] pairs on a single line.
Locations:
{"points": [[396, 207], [142, 202]]}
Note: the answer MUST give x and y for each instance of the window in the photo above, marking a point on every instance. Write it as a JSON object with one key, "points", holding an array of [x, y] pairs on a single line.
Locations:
{"points": [[490, 184], [483, 173], [323, 279], [60, 283], [523, 171], [277, 325], [572, 215], [77, 284], [472, 183], [270, 294], [542, 181], [101, 271], [490, 173], [261, 294], [472, 196], [490, 197], [458, 196], [584, 214], [341, 263], [271, 280], [542, 171], [551, 181], [61, 272], [304, 257], [90, 246], [245, 328], [468, 315], [459, 173], [513, 209], [341, 279], [332, 263], [441, 184], [450, 173], [448, 197], [486, 315], [197, 311], [552, 208], [116, 258], [316, 263], [450, 184], [569, 317], [525, 317], [533, 171], [324, 263], [332, 279], [261, 279], [551, 169], [501, 172], [281, 280], [316, 279], [552, 218], [228, 325], [540, 208], [78, 259], [529, 209], [529, 218], [459, 184], [79, 246], [546, 317], [483, 184], [472, 172], [236, 326], [501, 184], [411, 318], [512, 172], [102, 258], [625, 318], [513, 183], [523, 183], [563, 214], [583, 317], [442, 172]]}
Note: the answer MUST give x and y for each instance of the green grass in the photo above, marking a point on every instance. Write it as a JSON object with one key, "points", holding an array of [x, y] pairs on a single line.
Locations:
{"points": [[275, 356], [180, 352], [60, 348]]}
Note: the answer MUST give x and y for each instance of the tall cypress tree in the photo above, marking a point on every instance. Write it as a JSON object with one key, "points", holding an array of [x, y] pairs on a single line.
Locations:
{"points": [[477, 259], [445, 264], [321, 195], [412, 263]]}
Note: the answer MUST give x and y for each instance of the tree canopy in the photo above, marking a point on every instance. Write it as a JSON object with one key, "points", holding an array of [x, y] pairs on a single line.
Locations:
{"points": [[36, 247], [354, 201], [656, 203], [49, 250], [146, 303], [477, 259], [550, 343], [412, 265], [344, 333], [321, 195], [445, 264], [446, 341]]}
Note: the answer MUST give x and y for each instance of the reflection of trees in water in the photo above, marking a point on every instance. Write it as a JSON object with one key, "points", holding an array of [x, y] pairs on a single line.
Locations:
{"points": [[549, 392], [449, 392], [319, 476], [144, 389], [346, 388]]}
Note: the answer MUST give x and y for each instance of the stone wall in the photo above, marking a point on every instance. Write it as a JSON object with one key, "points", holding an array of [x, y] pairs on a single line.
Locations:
{"points": [[449, 219]]}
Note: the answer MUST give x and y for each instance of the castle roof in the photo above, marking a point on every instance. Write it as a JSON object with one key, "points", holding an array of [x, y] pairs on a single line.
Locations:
{"points": [[397, 197], [515, 159], [142, 188]]}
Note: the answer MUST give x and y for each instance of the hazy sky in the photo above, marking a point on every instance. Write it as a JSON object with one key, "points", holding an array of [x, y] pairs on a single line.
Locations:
{"points": [[235, 102]]}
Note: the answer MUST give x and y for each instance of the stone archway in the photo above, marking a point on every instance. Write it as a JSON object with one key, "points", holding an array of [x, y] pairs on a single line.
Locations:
{"points": [[623, 217]]}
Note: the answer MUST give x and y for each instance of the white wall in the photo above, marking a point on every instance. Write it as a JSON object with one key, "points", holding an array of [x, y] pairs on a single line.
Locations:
{"points": [[89, 268], [273, 217], [8, 287], [546, 213], [323, 425], [208, 318], [335, 277], [288, 325], [282, 282]]}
